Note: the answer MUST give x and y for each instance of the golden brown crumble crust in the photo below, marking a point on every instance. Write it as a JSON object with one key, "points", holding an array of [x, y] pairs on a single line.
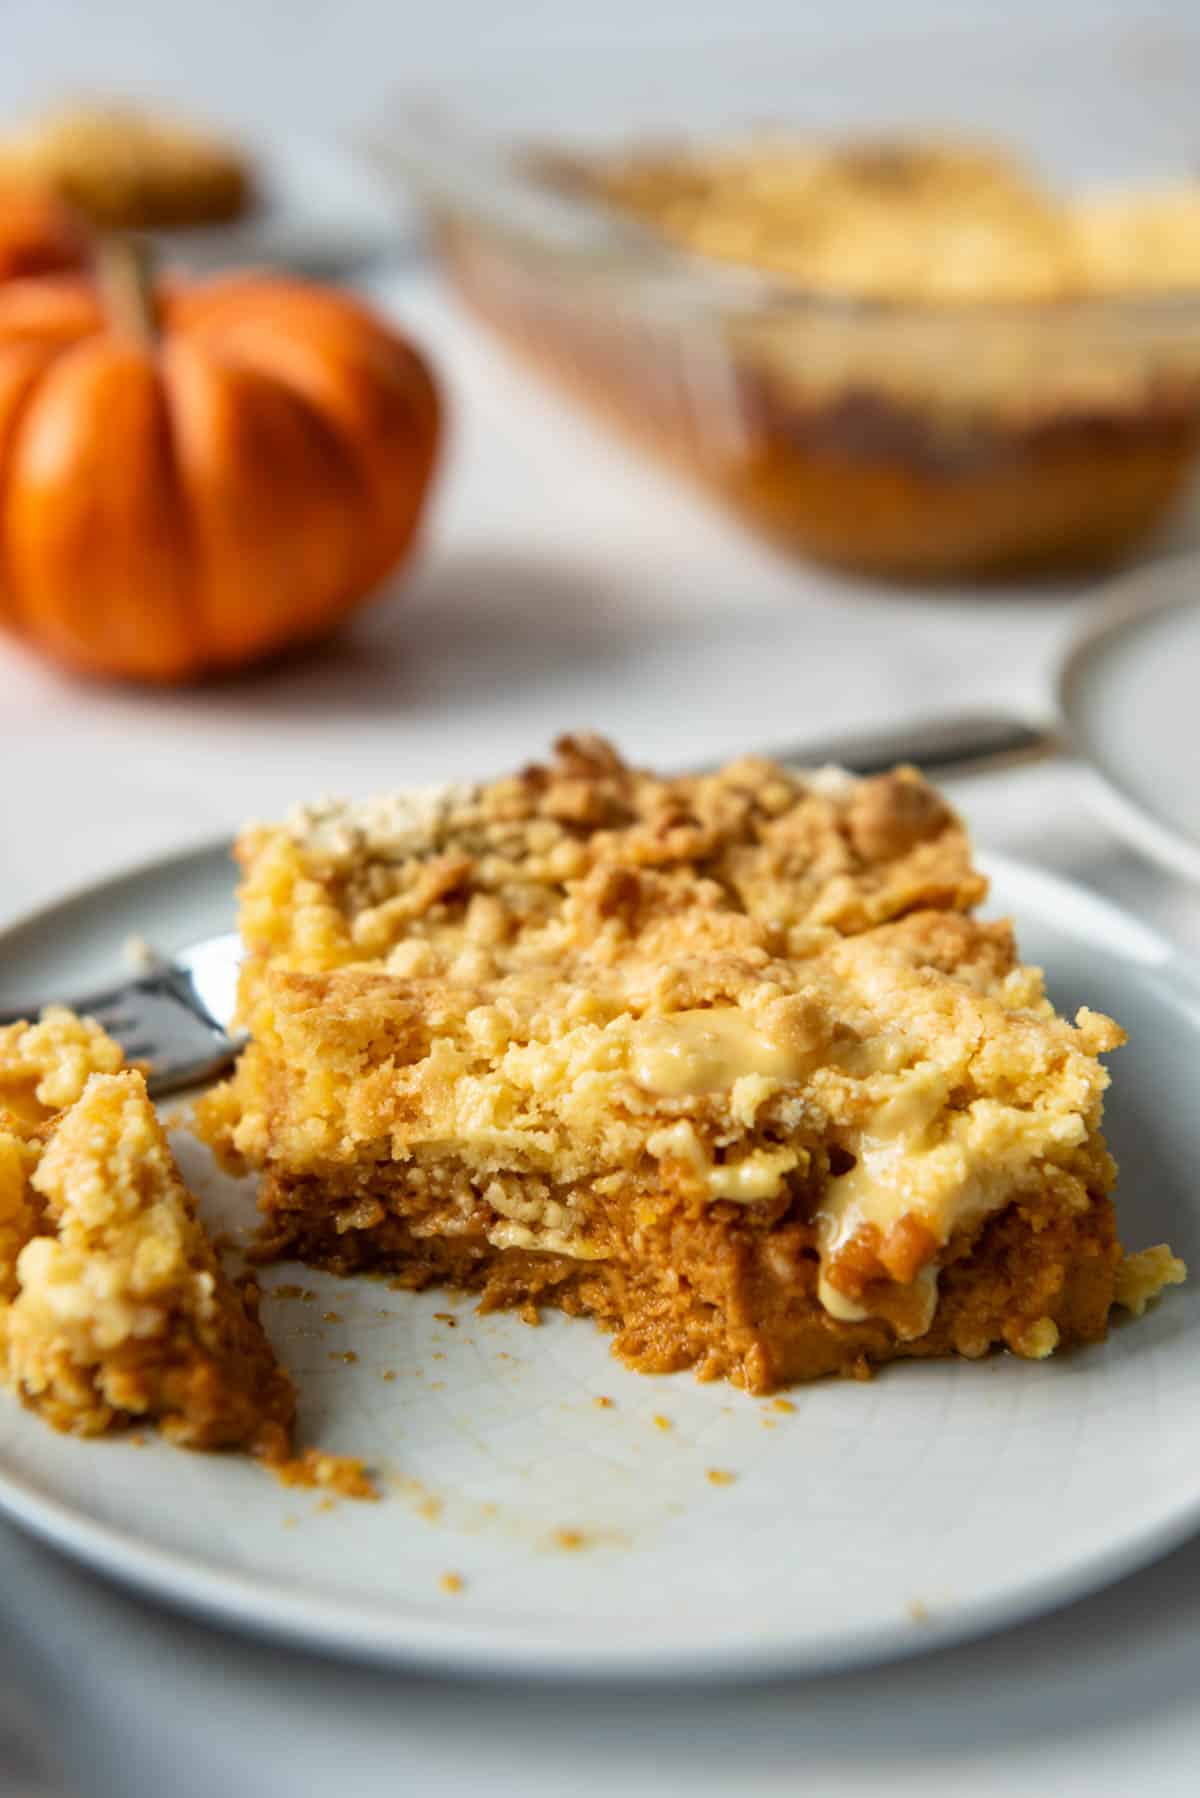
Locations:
{"points": [[585, 853], [930, 222]]}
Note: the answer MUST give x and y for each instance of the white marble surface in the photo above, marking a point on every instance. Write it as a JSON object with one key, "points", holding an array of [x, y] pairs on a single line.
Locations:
{"points": [[566, 585]]}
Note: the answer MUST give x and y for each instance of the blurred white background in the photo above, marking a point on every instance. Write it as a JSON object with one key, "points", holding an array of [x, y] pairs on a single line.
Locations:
{"points": [[325, 64]]}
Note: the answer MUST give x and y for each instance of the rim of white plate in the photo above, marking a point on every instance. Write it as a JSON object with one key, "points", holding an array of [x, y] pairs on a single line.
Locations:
{"points": [[1135, 599]]}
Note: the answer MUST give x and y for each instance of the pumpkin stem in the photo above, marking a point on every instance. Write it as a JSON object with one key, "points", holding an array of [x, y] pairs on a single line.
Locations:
{"points": [[125, 272]]}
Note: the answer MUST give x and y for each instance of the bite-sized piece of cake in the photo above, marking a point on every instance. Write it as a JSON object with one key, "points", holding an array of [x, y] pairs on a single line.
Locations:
{"points": [[44, 1066], [114, 1305], [723, 1062]]}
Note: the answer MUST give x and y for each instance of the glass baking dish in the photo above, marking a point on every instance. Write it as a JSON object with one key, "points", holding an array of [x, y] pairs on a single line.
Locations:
{"points": [[913, 441]]}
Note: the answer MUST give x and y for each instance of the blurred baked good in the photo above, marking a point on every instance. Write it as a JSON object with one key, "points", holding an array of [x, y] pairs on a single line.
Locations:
{"points": [[124, 165], [913, 358], [928, 222]]}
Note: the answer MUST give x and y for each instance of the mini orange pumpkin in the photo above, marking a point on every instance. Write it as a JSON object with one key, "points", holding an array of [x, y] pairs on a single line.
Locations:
{"points": [[39, 235], [196, 476]]}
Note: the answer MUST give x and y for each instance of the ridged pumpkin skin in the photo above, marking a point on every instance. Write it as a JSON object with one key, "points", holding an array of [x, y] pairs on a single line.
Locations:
{"points": [[177, 506], [38, 234]]}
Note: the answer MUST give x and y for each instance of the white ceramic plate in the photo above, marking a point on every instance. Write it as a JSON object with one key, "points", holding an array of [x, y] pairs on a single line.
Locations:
{"points": [[1129, 694], [871, 1520]]}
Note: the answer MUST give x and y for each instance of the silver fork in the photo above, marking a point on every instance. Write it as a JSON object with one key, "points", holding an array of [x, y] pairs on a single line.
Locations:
{"points": [[177, 1015]]}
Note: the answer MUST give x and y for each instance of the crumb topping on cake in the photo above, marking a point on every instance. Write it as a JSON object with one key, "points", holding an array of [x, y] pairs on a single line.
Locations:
{"points": [[1144, 1274], [45, 1065], [391, 826], [886, 219], [924, 221], [934, 229], [590, 857]]}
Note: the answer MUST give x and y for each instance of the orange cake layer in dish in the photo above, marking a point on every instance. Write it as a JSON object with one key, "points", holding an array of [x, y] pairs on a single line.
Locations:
{"points": [[113, 1306], [724, 1062]]}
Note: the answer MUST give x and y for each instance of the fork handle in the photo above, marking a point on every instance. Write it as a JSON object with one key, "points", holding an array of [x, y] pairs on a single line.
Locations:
{"points": [[22, 1014], [962, 743]]}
